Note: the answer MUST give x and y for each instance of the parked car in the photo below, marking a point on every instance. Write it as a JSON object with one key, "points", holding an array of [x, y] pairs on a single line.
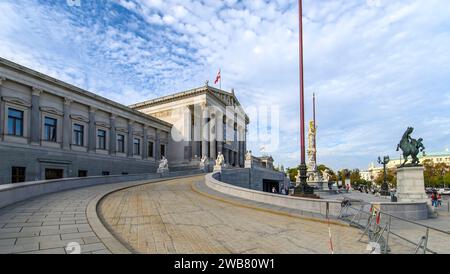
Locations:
{"points": [[444, 191]]}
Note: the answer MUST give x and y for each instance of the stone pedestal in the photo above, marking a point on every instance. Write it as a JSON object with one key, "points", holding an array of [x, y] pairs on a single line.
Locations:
{"points": [[219, 168], [411, 185]]}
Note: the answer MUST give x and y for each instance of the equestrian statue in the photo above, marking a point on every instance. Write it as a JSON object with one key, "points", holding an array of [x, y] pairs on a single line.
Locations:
{"points": [[411, 147]]}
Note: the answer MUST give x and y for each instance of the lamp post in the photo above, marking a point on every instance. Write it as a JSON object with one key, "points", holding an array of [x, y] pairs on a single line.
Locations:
{"points": [[384, 186]]}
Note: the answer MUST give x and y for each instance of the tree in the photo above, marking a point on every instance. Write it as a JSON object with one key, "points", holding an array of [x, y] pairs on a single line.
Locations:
{"points": [[391, 178], [436, 175], [293, 172], [355, 176]]}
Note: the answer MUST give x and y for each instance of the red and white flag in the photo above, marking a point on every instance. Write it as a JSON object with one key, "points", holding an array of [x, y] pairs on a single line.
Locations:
{"points": [[218, 78]]}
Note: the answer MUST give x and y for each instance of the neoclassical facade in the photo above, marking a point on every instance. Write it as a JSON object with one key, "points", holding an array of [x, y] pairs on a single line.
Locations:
{"points": [[50, 129], [206, 121]]}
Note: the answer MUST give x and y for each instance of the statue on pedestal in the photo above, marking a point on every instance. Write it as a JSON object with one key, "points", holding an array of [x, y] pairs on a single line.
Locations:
{"points": [[163, 166], [326, 176], [204, 163], [410, 147], [220, 162], [313, 174]]}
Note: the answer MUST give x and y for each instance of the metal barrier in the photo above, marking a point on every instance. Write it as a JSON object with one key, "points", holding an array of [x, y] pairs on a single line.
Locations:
{"points": [[381, 228]]}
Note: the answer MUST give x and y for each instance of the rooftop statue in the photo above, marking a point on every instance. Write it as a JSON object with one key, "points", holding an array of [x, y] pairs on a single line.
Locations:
{"points": [[410, 147]]}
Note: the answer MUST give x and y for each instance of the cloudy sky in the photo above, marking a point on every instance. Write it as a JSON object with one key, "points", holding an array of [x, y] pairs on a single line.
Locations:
{"points": [[377, 66]]}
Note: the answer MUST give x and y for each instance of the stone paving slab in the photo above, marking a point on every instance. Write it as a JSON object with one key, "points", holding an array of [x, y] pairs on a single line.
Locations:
{"points": [[48, 223], [171, 218]]}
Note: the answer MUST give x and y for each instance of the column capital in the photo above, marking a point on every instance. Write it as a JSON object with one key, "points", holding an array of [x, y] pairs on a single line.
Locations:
{"points": [[92, 109], [112, 116], [68, 101], [37, 91], [2, 79]]}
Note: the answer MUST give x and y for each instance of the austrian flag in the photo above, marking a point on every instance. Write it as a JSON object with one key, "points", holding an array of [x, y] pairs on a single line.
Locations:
{"points": [[218, 78]]}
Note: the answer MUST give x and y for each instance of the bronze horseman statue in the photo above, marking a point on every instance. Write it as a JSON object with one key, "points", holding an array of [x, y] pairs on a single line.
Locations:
{"points": [[410, 147]]}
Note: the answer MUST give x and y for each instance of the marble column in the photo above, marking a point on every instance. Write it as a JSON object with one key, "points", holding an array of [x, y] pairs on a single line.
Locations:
{"points": [[197, 131], [130, 139], [205, 131], [219, 127], [212, 135], [67, 125], [2, 110], [145, 144], [35, 121], [92, 137], [112, 135], [158, 145]]}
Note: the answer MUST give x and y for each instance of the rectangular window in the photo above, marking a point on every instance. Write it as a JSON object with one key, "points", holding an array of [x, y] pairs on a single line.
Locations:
{"points": [[15, 122], [50, 129], [121, 143], [150, 150], [137, 146], [163, 150], [82, 173], [18, 174], [78, 135], [53, 174], [105, 173], [101, 139]]}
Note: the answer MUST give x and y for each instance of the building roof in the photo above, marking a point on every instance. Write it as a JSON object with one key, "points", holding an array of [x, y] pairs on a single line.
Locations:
{"points": [[193, 92], [78, 90]]}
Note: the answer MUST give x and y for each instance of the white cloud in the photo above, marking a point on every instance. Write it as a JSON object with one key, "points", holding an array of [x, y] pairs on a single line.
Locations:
{"points": [[376, 66]]}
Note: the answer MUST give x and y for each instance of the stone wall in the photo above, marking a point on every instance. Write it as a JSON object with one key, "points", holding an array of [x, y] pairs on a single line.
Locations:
{"points": [[14, 193], [252, 178], [307, 205]]}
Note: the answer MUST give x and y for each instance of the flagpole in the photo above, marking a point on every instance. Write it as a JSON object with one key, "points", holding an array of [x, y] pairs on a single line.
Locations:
{"points": [[303, 169], [220, 72]]}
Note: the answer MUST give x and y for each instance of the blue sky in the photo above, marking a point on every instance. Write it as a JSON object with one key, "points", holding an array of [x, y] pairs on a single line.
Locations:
{"points": [[377, 66]]}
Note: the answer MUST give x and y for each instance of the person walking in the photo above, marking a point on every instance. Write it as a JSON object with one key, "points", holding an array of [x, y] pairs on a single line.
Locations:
{"points": [[433, 199], [439, 200]]}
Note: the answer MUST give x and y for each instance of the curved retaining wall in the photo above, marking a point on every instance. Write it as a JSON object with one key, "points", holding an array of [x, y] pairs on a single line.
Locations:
{"points": [[308, 205], [14, 193]]}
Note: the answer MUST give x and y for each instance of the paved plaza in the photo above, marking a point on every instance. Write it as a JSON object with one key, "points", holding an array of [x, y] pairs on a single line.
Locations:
{"points": [[181, 216], [171, 218]]}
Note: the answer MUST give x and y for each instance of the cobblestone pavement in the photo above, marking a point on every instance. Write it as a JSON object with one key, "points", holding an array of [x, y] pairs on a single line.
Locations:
{"points": [[171, 218]]}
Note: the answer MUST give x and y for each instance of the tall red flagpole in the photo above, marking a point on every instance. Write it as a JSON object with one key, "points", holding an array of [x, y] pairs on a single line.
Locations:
{"points": [[303, 169]]}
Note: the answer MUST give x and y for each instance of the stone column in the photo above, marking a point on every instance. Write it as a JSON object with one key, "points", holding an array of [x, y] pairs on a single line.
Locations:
{"points": [[92, 137], [158, 145], [212, 135], [2, 110], [205, 131], [35, 121], [67, 125], [219, 127], [145, 144], [112, 135], [130, 139], [197, 131]]}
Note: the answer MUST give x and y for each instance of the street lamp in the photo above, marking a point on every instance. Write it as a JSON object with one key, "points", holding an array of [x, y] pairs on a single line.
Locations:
{"points": [[384, 186]]}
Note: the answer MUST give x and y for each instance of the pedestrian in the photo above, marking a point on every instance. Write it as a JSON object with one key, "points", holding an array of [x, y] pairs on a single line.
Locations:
{"points": [[439, 200], [433, 199], [274, 190]]}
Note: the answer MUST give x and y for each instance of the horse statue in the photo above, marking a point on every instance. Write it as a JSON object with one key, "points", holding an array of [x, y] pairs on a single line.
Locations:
{"points": [[410, 147]]}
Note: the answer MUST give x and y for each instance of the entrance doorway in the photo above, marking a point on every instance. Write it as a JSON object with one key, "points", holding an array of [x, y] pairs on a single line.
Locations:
{"points": [[53, 174], [269, 184]]}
